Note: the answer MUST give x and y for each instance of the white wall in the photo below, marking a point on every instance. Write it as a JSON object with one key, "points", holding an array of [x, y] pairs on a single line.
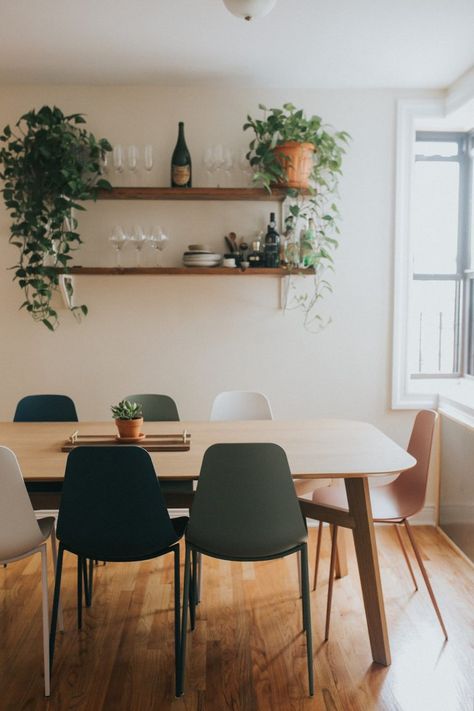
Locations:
{"points": [[193, 336]]}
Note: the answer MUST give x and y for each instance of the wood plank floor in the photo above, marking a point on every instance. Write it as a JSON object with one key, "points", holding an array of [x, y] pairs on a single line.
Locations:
{"points": [[247, 652]]}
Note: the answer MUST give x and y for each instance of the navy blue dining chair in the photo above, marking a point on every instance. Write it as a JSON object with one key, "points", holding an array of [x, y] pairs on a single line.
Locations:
{"points": [[112, 509]]}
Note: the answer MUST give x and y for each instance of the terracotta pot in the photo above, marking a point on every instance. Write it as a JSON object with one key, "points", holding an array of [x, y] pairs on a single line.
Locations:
{"points": [[297, 160], [129, 428]]}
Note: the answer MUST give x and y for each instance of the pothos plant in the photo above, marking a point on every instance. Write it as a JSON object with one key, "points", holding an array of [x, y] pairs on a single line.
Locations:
{"points": [[312, 215], [49, 164]]}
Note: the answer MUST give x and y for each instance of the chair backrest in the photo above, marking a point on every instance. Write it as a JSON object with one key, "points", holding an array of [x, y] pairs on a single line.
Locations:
{"points": [[111, 506], [45, 408], [245, 505], [157, 408], [241, 405], [411, 485], [19, 530]]}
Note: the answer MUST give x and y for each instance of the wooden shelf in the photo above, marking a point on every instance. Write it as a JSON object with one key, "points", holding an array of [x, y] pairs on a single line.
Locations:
{"points": [[184, 271], [232, 194]]}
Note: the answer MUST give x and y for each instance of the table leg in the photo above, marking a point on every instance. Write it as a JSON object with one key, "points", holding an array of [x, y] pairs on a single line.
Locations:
{"points": [[366, 550], [341, 552]]}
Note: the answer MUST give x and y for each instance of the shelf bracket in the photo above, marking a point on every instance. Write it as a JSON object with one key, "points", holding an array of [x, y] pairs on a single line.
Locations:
{"points": [[66, 287], [284, 292]]}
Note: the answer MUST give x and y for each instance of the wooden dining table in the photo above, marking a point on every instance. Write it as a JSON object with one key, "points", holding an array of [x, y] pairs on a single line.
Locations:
{"points": [[316, 449]]}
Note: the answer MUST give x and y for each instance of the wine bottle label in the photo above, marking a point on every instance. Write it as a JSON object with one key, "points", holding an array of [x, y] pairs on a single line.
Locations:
{"points": [[181, 174]]}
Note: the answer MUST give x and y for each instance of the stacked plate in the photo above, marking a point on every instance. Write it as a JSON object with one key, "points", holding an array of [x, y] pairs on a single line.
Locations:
{"points": [[199, 255]]}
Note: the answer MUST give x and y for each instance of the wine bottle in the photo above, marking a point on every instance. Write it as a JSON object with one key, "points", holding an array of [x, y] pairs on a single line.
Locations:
{"points": [[272, 244], [181, 175]]}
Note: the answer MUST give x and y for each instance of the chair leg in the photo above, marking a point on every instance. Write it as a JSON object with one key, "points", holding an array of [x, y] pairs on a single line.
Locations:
{"points": [[199, 578], [54, 615], [55, 565], [44, 581], [405, 554], [307, 615], [318, 550], [332, 570], [80, 572], [193, 590], [298, 565], [88, 580], [425, 576], [184, 624], [177, 616]]}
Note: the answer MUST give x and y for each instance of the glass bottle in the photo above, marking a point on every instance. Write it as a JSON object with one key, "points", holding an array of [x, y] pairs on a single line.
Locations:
{"points": [[272, 244], [181, 170]]}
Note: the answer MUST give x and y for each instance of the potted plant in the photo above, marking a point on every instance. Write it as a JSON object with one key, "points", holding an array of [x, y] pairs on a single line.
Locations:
{"points": [[128, 418], [304, 155], [49, 163]]}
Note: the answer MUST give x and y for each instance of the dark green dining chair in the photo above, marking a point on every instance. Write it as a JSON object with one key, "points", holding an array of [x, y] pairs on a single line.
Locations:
{"points": [[245, 509], [156, 408], [112, 509], [45, 408]]}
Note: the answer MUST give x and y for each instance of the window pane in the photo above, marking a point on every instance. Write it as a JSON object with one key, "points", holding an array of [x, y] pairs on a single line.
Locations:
{"points": [[446, 149], [431, 334], [435, 217]]}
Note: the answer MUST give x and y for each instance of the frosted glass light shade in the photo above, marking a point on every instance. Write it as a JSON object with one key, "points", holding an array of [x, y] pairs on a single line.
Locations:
{"points": [[249, 9]]}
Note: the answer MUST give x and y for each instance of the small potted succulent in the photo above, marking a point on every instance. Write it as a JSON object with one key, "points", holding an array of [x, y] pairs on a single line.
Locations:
{"points": [[128, 418]]}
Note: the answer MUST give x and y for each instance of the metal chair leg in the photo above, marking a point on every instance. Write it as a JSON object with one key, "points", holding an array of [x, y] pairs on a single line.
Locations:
{"points": [[177, 617], [55, 565], [80, 573], [307, 615], [45, 606], [184, 623], [193, 590], [400, 540], [425, 576], [88, 576], [332, 569], [318, 550], [199, 578], [54, 614]]}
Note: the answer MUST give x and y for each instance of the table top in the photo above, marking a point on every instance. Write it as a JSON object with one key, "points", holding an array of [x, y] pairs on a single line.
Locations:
{"points": [[323, 448]]}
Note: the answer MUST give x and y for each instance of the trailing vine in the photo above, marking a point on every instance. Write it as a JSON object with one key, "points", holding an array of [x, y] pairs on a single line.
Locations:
{"points": [[49, 165]]}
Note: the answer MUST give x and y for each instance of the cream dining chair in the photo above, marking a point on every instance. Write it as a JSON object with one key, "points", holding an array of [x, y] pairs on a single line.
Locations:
{"points": [[22, 535], [241, 405], [391, 503]]}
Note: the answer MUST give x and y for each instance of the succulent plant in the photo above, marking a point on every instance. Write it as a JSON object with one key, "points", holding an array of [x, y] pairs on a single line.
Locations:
{"points": [[127, 410]]}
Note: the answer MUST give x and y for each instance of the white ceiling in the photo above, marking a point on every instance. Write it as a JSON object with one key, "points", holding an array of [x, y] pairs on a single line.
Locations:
{"points": [[302, 43]]}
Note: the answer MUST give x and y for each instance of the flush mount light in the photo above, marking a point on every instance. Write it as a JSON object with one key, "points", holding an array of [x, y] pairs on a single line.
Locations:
{"points": [[250, 9]]}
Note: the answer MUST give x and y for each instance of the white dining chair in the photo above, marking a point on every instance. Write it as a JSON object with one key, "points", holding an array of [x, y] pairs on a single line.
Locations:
{"points": [[22, 535], [241, 405]]}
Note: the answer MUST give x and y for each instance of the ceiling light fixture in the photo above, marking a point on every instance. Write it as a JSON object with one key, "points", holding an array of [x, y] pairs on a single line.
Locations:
{"points": [[249, 9]]}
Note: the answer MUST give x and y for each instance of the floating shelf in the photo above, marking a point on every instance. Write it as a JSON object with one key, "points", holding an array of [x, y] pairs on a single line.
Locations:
{"points": [[185, 271], [232, 194]]}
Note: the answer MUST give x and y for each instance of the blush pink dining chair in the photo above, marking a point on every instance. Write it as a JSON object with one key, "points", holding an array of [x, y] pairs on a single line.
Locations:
{"points": [[391, 503]]}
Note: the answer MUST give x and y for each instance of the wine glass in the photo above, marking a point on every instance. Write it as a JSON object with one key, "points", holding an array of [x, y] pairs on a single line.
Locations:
{"points": [[209, 163], [245, 166], [228, 164], [218, 159], [138, 240], [148, 157], [157, 240], [132, 161], [117, 159], [118, 240], [105, 163]]}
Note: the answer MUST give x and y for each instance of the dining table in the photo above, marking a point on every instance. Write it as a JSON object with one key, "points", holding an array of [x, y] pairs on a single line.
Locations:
{"points": [[352, 450]]}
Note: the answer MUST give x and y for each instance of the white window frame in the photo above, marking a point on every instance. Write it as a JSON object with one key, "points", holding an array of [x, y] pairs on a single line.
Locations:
{"points": [[410, 114]]}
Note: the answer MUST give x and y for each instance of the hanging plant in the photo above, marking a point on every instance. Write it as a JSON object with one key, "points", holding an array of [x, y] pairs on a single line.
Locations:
{"points": [[304, 155], [49, 163]]}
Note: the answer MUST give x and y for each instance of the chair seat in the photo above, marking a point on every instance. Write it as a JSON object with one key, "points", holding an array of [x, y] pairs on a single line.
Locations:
{"points": [[386, 504]]}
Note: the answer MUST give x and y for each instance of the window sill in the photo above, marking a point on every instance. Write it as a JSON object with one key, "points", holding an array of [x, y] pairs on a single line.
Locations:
{"points": [[453, 398]]}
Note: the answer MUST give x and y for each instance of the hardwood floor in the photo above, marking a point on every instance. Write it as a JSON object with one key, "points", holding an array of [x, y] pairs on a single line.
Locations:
{"points": [[247, 652]]}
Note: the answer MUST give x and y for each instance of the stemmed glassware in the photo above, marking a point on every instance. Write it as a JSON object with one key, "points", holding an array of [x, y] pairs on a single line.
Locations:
{"points": [[117, 159], [139, 240], [148, 157], [157, 240], [132, 156], [118, 240], [245, 166], [209, 163]]}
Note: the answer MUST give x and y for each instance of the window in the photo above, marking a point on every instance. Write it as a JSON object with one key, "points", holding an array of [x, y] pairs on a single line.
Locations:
{"points": [[440, 329]]}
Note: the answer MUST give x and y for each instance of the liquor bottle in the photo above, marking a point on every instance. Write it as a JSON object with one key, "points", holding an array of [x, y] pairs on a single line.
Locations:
{"points": [[272, 244], [181, 175]]}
